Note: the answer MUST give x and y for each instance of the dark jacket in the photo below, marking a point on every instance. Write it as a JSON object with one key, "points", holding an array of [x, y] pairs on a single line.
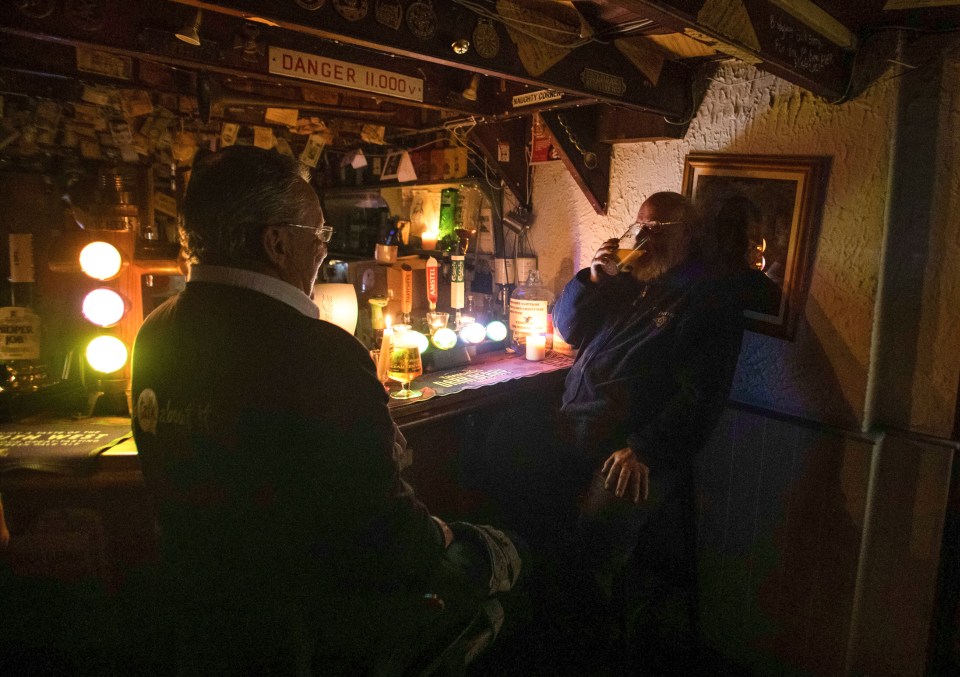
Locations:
{"points": [[266, 439], [655, 365]]}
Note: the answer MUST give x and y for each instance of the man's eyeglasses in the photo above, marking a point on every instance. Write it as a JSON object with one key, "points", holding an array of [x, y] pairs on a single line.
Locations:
{"points": [[655, 227], [324, 233]]}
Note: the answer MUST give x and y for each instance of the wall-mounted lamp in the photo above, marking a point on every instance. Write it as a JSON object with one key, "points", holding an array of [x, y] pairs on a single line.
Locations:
{"points": [[190, 32], [470, 93], [461, 46]]}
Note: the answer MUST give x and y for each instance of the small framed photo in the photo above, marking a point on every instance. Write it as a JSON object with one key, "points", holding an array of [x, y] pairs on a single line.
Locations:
{"points": [[391, 166]]}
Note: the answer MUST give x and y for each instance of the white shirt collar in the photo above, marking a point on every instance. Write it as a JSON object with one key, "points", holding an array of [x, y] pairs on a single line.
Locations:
{"points": [[265, 284]]}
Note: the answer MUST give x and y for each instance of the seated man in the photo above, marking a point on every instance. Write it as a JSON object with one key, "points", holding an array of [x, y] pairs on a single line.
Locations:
{"points": [[288, 537]]}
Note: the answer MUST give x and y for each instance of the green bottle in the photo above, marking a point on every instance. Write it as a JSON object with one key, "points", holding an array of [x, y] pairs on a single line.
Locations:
{"points": [[448, 212]]}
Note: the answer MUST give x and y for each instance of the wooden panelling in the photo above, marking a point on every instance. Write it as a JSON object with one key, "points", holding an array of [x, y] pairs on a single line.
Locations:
{"points": [[781, 509]]}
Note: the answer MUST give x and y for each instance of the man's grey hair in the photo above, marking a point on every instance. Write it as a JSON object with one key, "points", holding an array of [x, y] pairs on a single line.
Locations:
{"points": [[233, 195]]}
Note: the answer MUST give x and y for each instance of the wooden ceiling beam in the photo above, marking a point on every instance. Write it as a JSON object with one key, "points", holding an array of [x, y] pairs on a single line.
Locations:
{"points": [[591, 70], [764, 33], [144, 30]]}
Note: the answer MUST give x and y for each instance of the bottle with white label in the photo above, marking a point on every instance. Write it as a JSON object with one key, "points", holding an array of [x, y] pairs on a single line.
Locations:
{"points": [[19, 325], [531, 305]]}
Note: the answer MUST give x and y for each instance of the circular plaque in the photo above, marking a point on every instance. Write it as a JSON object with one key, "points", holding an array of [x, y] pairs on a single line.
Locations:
{"points": [[312, 5], [421, 20], [485, 39], [87, 15], [36, 9], [351, 10]]}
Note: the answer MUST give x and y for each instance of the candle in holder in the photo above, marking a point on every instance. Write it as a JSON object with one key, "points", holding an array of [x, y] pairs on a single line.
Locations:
{"points": [[437, 320], [536, 347], [383, 364], [428, 239]]}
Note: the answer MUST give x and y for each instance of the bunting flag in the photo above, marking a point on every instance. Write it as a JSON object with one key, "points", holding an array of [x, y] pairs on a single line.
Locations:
{"points": [[643, 54], [730, 19], [541, 42]]}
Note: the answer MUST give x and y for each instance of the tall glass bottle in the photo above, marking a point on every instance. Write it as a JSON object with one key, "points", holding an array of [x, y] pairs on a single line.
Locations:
{"points": [[524, 256], [531, 306], [448, 212]]}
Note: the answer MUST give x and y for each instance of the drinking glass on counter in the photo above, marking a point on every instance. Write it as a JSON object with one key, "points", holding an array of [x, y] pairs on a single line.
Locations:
{"points": [[437, 320], [405, 365], [629, 250]]}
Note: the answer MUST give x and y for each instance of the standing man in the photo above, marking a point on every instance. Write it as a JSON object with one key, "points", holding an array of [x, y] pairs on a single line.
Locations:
{"points": [[289, 539], [658, 347]]}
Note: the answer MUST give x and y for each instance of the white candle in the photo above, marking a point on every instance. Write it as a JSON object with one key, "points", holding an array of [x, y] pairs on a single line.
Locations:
{"points": [[536, 347], [429, 239], [386, 345]]}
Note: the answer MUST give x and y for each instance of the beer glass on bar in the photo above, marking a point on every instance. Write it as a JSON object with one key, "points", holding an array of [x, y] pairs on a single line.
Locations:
{"points": [[405, 365]]}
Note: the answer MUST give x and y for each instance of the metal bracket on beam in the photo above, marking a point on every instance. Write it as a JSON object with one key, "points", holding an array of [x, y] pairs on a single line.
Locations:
{"points": [[584, 155]]}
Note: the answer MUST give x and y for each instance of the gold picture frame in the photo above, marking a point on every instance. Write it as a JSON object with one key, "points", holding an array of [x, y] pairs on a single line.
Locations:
{"points": [[786, 194]]}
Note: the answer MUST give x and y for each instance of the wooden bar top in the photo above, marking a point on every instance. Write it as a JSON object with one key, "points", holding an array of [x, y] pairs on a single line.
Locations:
{"points": [[487, 381]]}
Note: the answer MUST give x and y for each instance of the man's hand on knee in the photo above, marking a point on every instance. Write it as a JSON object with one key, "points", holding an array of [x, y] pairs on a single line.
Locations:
{"points": [[626, 475]]}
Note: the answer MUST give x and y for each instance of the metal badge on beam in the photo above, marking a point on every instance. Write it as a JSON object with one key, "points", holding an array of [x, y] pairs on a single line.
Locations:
{"points": [[351, 10], [422, 20], [485, 39], [389, 13]]}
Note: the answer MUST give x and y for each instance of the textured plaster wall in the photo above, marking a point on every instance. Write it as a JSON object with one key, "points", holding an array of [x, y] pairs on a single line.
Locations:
{"points": [[937, 370], [822, 374]]}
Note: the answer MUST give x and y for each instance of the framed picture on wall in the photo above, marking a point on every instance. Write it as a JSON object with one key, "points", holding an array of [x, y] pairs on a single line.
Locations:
{"points": [[763, 215]]}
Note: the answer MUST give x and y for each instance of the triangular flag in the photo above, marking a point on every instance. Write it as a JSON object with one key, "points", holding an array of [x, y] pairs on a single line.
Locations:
{"points": [[406, 172], [645, 56], [355, 159], [730, 19]]}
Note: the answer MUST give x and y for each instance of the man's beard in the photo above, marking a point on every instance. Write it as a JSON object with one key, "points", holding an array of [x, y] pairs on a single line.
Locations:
{"points": [[658, 261]]}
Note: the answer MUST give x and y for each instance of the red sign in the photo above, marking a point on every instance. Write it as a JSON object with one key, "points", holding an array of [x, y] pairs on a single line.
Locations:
{"points": [[433, 284]]}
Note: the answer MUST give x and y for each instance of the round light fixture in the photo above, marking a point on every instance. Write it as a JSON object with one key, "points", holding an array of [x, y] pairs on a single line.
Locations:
{"points": [[101, 260], [106, 354], [473, 333], [461, 46], [496, 331], [445, 338], [104, 307], [423, 343]]}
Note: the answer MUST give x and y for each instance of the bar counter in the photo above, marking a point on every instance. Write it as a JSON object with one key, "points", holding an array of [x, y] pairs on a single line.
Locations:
{"points": [[89, 516]]}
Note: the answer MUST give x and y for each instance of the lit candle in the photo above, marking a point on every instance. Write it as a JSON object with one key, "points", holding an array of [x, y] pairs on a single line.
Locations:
{"points": [[428, 238], [536, 347], [383, 366]]}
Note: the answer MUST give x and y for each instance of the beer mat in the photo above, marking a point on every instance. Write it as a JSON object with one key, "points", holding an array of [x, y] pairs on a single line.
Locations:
{"points": [[63, 446], [428, 394], [453, 381]]}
